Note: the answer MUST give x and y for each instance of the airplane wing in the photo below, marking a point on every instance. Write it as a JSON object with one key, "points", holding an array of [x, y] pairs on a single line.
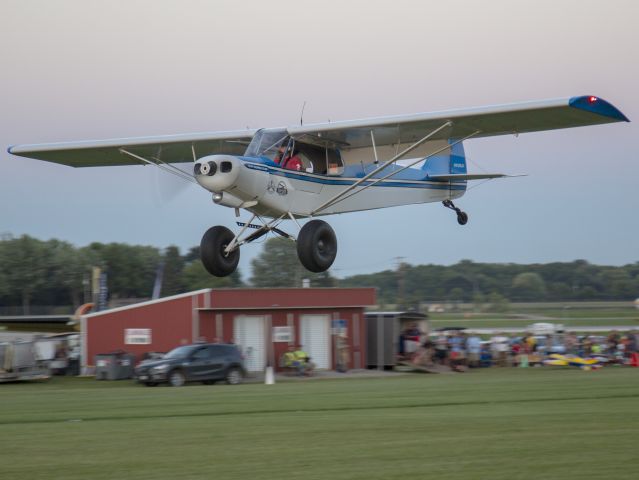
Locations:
{"points": [[165, 148], [488, 121]]}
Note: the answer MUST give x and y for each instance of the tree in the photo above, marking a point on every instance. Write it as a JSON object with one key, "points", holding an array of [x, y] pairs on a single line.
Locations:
{"points": [[131, 269], [497, 303], [195, 277], [172, 278], [529, 286], [25, 264], [67, 269], [278, 266]]}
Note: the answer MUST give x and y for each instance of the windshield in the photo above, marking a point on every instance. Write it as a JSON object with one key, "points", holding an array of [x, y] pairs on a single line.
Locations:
{"points": [[180, 352], [266, 143]]}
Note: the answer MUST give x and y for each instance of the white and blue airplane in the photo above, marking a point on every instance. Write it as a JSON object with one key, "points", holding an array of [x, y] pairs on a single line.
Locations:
{"points": [[308, 171]]}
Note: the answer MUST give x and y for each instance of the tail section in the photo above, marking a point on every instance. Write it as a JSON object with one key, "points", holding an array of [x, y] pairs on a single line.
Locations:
{"points": [[450, 161], [450, 166]]}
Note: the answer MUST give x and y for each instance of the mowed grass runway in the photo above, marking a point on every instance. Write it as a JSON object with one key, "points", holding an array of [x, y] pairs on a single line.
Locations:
{"points": [[489, 424]]}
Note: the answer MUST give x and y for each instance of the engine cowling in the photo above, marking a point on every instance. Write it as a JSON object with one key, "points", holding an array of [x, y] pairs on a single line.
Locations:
{"points": [[233, 182], [217, 173]]}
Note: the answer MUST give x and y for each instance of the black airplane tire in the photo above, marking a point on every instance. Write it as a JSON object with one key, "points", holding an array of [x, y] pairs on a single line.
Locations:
{"points": [[462, 218], [212, 248], [317, 246]]}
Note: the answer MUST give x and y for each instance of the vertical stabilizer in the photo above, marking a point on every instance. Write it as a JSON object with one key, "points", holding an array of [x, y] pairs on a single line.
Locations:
{"points": [[451, 161]]}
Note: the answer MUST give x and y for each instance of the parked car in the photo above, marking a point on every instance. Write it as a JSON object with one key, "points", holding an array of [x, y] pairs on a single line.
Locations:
{"points": [[206, 363]]}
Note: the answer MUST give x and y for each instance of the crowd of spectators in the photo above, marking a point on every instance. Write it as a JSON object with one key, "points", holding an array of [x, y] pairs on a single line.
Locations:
{"points": [[460, 350]]}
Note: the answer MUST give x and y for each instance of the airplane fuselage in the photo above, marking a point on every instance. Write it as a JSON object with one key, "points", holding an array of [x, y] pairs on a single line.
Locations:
{"points": [[261, 186]]}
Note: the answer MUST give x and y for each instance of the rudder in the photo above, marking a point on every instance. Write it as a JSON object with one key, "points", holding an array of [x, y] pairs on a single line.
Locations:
{"points": [[451, 161]]}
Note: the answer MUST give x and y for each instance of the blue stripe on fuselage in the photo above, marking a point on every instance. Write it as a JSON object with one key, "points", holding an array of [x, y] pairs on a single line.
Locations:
{"points": [[408, 178]]}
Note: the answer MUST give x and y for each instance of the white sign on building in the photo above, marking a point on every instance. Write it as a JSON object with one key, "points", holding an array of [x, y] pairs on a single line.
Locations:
{"points": [[282, 334], [137, 336]]}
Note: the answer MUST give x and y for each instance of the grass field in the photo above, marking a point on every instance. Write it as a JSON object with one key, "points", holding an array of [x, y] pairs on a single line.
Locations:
{"points": [[489, 424], [524, 315]]}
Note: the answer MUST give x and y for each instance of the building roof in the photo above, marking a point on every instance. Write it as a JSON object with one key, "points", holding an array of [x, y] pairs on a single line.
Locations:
{"points": [[147, 303], [286, 298], [268, 299]]}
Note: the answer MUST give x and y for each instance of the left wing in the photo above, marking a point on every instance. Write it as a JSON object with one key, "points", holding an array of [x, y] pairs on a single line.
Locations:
{"points": [[486, 121], [163, 149]]}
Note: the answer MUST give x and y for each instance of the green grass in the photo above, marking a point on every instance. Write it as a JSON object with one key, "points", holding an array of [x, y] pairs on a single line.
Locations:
{"points": [[525, 316], [497, 424]]}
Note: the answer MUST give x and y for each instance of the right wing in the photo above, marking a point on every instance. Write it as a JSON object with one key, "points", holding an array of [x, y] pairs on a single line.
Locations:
{"points": [[165, 148]]}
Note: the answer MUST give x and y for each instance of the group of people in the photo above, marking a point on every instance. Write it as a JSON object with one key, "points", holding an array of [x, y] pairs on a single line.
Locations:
{"points": [[298, 360], [459, 350]]}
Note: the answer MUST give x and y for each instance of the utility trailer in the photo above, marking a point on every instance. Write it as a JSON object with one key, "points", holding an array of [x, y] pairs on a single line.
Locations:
{"points": [[20, 361]]}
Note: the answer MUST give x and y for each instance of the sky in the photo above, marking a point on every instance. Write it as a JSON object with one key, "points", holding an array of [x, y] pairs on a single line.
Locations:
{"points": [[79, 70]]}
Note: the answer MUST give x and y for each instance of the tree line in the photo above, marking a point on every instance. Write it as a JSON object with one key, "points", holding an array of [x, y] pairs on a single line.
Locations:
{"points": [[53, 272], [468, 281]]}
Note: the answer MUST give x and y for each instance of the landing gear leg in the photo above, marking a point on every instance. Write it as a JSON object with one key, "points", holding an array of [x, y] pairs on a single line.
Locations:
{"points": [[462, 217]]}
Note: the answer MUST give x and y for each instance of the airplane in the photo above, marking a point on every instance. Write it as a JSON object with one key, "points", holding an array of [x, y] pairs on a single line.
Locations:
{"points": [[585, 363], [307, 171]]}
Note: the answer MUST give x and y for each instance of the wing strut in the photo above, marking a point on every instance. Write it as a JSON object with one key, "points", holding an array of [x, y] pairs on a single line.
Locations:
{"points": [[385, 165], [439, 150], [374, 147], [166, 167]]}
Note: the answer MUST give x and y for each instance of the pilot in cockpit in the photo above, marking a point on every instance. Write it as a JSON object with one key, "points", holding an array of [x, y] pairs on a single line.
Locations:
{"points": [[290, 162], [280, 154], [294, 162]]}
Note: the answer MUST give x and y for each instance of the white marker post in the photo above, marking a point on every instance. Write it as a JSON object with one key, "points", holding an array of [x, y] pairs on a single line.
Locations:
{"points": [[269, 376]]}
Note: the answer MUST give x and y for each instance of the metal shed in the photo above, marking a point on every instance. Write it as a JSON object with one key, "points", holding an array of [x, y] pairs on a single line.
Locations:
{"points": [[383, 331]]}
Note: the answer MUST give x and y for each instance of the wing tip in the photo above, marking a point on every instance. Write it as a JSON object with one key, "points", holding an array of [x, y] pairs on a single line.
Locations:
{"points": [[599, 106]]}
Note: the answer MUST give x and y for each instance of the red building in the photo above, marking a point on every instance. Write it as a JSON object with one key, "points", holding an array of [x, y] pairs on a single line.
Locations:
{"points": [[262, 322]]}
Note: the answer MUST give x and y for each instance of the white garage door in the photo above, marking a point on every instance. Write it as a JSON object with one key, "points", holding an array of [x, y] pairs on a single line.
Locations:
{"points": [[315, 337], [248, 332]]}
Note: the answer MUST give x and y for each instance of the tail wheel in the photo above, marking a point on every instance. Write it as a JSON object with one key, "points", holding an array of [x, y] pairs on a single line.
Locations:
{"points": [[462, 218], [317, 246], [212, 246]]}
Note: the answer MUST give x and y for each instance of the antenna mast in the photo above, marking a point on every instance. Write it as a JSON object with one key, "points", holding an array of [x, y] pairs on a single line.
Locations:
{"points": [[302, 114]]}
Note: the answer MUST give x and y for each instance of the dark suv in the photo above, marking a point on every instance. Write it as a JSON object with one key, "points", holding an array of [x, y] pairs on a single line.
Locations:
{"points": [[206, 363]]}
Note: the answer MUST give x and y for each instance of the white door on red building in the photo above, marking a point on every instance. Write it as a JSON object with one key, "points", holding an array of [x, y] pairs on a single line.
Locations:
{"points": [[248, 331], [315, 335]]}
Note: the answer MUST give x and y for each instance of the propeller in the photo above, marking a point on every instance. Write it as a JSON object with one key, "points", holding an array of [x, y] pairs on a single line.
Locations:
{"points": [[171, 180]]}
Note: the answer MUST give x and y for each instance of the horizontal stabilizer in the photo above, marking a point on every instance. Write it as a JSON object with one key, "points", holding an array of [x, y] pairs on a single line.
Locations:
{"points": [[469, 176]]}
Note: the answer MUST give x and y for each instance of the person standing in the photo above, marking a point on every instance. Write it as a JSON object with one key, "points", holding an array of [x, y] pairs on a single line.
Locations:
{"points": [[473, 346]]}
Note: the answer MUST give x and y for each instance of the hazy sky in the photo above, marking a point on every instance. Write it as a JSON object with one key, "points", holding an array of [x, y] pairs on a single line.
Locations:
{"points": [[75, 70]]}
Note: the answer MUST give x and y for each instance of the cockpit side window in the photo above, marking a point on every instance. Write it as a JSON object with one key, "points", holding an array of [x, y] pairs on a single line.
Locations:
{"points": [[322, 160]]}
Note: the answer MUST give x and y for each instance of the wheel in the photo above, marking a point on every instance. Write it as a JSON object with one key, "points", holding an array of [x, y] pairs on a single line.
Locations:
{"points": [[317, 246], [462, 218], [177, 378], [234, 376], [212, 248]]}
